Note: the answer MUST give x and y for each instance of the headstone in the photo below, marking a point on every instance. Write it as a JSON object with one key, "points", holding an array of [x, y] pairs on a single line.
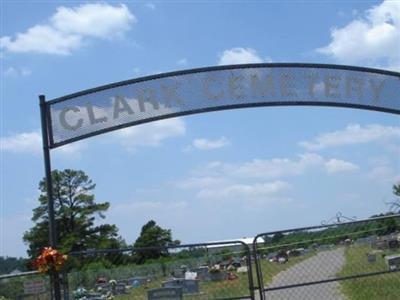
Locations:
{"points": [[393, 262], [190, 275], [393, 244], [120, 288], [178, 273], [137, 281], [165, 293], [202, 273], [242, 269], [189, 286], [101, 286], [371, 257], [218, 276]]}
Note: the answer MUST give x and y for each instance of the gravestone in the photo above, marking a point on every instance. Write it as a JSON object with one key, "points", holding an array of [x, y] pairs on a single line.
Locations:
{"points": [[371, 257], [242, 269], [136, 281], [178, 273], [218, 276], [202, 273], [393, 262], [102, 287], [165, 293], [189, 286], [393, 244], [120, 289]]}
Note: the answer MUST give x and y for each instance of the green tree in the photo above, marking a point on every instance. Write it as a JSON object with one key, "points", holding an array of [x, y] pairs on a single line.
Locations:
{"points": [[395, 204], [153, 235], [278, 237], [8, 264], [75, 213]]}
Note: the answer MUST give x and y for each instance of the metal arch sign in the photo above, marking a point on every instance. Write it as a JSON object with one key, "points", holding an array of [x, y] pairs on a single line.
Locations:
{"points": [[168, 95]]}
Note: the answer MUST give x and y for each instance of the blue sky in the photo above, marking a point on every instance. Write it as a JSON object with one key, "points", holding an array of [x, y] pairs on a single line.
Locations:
{"points": [[211, 176]]}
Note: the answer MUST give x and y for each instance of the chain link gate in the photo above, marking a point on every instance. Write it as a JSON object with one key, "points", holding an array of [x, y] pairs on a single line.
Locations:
{"points": [[220, 270], [354, 260]]}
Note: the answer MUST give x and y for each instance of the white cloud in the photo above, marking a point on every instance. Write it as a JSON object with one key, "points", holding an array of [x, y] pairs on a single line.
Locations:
{"points": [[283, 167], [150, 134], [276, 167], [150, 6], [384, 170], [351, 135], [202, 182], [31, 143], [69, 28], [384, 173], [182, 62], [141, 207], [249, 179], [136, 70], [239, 55], [336, 166], [206, 144], [25, 142], [17, 72], [244, 191], [373, 39]]}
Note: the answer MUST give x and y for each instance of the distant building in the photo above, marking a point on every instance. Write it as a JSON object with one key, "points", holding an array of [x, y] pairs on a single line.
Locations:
{"points": [[235, 248]]}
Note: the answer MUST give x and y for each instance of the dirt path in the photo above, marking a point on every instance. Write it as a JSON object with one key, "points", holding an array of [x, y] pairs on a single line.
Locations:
{"points": [[322, 266]]}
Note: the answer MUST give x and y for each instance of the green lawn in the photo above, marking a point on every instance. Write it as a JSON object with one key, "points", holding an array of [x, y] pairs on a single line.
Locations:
{"points": [[380, 287]]}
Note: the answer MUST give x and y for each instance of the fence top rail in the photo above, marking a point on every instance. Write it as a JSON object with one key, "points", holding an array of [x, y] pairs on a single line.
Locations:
{"points": [[110, 250], [22, 274], [325, 226]]}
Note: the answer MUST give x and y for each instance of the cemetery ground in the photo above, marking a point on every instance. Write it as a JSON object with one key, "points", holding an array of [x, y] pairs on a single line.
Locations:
{"points": [[353, 260], [238, 287], [383, 287]]}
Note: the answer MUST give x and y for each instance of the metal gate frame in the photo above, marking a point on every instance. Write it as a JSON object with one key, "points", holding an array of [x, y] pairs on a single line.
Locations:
{"points": [[260, 282]]}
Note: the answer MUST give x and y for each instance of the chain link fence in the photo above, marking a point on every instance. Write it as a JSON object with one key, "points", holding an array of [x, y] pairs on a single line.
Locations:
{"points": [[200, 271], [349, 261], [354, 260], [25, 286]]}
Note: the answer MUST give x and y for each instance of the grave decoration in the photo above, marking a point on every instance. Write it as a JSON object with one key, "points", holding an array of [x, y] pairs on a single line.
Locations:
{"points": [[49, 260]]}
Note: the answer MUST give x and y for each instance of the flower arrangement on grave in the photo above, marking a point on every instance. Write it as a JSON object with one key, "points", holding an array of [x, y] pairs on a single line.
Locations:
{"points": [[49, 259]]}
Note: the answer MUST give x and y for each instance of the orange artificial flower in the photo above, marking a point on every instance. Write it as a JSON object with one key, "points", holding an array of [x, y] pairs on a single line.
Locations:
{"points": [[48, 259]]}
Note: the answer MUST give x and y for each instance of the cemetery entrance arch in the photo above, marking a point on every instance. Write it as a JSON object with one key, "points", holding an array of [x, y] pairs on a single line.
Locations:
{"points": [[99, 110]]}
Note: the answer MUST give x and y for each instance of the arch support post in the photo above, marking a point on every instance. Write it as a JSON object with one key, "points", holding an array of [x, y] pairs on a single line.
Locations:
{"points": [[54, 276]]}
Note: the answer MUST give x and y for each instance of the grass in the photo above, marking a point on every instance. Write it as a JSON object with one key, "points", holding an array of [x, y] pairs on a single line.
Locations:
{"points": [[382, 287]]}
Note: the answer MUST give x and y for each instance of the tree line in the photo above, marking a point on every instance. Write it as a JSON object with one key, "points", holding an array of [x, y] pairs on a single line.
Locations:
{"points": [[76, 210]]}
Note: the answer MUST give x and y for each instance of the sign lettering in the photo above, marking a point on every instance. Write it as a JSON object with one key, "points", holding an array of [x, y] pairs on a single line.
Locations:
{"points": [[80, 116]]}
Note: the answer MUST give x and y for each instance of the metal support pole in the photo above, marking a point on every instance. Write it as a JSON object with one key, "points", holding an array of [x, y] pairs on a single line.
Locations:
{"points": [[258, 271], [56, 292]]}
